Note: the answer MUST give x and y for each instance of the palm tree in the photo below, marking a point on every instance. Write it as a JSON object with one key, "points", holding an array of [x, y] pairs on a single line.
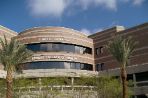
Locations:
{"points": [[12, 54], [121, 49]]}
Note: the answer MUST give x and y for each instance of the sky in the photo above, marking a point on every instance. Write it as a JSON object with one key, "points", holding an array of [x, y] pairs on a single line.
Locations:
{"points": [[87, 16]]}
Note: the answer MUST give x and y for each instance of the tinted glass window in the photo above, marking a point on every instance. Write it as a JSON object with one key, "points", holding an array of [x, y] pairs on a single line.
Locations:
{"points": [[100, 67], [43, 47], [88, 50], [56, 65], [88, 67], [72, 48], [81, 50], [99, 50], [68, 48], [49, 47], [77, 66], [77, 49], [82, 67], [72, 65], [67, 65], [61, 47], [55, 47], [33, 47]]}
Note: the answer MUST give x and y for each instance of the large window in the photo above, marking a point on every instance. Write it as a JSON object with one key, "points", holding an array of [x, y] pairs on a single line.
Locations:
{"points": [[100, 67], [99, 50], [69, 48], [57, 65], [55, 47]]}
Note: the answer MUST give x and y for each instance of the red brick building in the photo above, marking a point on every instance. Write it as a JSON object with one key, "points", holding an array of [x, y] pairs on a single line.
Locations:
{"points": [[62, 51]]}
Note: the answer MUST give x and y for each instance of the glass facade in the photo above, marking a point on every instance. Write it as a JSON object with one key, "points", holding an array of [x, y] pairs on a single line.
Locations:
{"points": [[57, 65], [56, 47]]}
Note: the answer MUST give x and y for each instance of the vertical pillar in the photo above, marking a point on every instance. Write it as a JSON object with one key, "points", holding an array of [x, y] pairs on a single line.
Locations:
{"points": [[51, 88], [72, 82], [62, 88], [134, 81], [29, 90], [90, 87], [40, 84]]}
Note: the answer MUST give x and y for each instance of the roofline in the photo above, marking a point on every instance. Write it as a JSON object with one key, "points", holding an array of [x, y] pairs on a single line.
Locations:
{"points": [[117, 28], [8, 29], [53, 27]]}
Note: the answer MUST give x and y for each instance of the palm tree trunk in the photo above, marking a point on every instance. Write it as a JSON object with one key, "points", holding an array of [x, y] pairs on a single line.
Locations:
{"points": [[124, 82], [9, 80]]}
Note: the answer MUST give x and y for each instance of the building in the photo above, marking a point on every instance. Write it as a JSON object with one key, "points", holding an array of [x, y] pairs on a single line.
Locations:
{"points": [[137, 68], [9, 34], [57, 48], [60, 51]]}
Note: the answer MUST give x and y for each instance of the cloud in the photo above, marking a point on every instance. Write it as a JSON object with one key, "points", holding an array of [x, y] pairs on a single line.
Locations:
{"points": [[97, 30], [89, 32], [56, 8], [85, 31], [134, 2], [109, 4], [43, 8], [138, 2]]}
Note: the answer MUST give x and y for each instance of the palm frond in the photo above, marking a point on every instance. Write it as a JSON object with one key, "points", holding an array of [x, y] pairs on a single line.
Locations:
{"points": [[13, 54], [121, 48], [3, 43]]}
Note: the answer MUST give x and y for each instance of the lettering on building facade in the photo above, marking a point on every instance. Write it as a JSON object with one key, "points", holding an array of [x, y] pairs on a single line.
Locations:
{"points": [[51, 39], [53, 57]]}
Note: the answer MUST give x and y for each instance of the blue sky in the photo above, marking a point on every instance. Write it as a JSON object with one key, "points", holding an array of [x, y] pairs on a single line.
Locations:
{"points": [[88, 16]]}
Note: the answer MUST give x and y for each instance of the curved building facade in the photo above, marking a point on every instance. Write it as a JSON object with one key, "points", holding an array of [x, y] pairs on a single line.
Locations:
{"points": [[57, 48], [60, 51]]}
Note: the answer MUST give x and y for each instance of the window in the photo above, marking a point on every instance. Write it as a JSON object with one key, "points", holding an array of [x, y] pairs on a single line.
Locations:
{"points": [[77, 65], [100, 67], [49, 47], [43, 47], [77, 49], [57, 65], [88, 67], [72, 65], [128, 62], [88, 50], [84, 50], [56, 47], [81, 50], [60, 65], [69, 48], [99, 50], [61, 47], [33, 47], [66, 65], [82, 67]]}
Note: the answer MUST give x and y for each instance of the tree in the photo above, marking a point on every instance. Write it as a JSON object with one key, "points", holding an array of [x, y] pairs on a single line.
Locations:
{"points": [[121, 49], [108, 87], [102, 87], [2, 87], [12, 54]]}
